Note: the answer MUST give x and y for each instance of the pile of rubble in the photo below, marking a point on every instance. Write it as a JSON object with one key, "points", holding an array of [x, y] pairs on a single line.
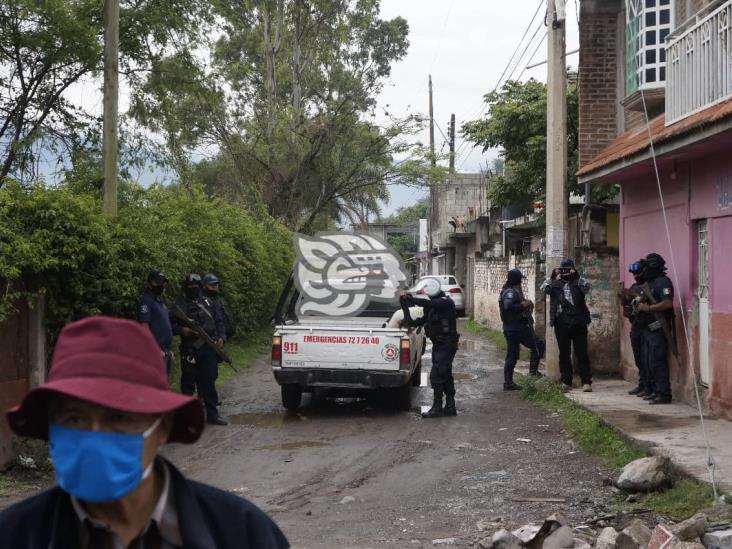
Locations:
{"points": [[634, 530]]}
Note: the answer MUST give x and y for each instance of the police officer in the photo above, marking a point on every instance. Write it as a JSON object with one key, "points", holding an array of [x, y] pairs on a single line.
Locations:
{"points": [[516, 314], [630, 311], [199, 362], [151, 310], [440, 320], [211, 290], [655, 345], [569, 315]]}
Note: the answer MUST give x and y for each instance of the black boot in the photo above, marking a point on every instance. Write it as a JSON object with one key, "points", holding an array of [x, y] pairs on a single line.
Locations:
{"points": [[534, 369], [436, 410], [638, 389], [450, 409]]}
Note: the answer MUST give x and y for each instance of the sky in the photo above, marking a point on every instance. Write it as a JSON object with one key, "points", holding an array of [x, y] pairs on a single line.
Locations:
{"points": [[465, 45]]}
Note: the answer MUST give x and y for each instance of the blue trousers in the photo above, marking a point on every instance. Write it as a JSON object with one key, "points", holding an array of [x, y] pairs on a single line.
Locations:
{"points": [[655, 356], [199, 369], [443, 353], [645, 376], [514, 339]]}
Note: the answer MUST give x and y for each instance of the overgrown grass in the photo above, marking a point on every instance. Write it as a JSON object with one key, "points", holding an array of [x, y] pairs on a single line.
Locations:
{"points": [[494, 336], [594, 436], [586, 429], [684, 499], [242, 352]]}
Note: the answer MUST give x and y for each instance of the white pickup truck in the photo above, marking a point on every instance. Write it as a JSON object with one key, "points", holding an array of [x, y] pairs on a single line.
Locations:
{"points": [[346, 356]]}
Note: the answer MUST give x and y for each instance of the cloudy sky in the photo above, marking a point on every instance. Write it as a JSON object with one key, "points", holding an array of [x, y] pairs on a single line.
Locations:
{"points": [[466, 45]]}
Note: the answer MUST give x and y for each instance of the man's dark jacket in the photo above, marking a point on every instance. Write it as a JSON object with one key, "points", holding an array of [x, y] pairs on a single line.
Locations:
{"points": [[209, 518]]}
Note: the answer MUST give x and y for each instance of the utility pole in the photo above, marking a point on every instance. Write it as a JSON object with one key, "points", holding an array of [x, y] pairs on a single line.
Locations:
{"points": [[452, 143], [110, 151], [556, 161], [432, 128]]}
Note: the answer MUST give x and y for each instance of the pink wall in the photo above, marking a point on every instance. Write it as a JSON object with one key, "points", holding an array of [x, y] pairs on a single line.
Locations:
{"points": [[642, 228]]}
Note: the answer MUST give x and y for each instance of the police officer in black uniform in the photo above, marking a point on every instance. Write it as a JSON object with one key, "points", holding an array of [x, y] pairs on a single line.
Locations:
{"points": [[630, 311], [655, 345], [151, 310], [211, 290], [516, 314], [569, 315], [199, 362], [440, 320]]}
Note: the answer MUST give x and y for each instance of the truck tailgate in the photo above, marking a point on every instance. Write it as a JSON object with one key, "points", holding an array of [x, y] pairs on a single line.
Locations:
{"points": [[354, 349]]}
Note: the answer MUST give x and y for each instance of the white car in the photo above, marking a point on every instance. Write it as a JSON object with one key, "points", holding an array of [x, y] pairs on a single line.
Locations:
{"points": [[449, 285]]}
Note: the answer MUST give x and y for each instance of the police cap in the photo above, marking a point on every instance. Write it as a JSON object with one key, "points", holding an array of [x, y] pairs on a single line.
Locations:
{"points": [[157, 277], [211, 279], [192, 279]]}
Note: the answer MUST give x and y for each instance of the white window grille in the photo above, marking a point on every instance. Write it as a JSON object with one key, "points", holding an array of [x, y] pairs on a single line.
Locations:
{"points": [[703, 266], [648, 23]]}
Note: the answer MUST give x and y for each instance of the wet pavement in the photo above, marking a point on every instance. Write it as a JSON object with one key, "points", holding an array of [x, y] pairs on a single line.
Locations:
{"points": [[672, 430], [354, 473]]}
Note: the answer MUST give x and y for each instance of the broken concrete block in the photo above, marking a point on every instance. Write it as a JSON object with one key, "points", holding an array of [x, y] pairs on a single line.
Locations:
{"points": [[635, 536], [581, 544], [721, 539], [691, 529], [561, 538], [644, 475], [607, 539], [527, 533], [661, 538], [503, 539]]}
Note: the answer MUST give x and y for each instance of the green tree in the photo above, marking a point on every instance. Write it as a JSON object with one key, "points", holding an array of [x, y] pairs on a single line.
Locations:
{"points": [[516, 123], [47, 47]]}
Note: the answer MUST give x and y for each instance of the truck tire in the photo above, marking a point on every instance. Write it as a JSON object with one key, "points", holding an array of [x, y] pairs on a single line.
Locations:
{"points": [[291, 396], [402, 397]]}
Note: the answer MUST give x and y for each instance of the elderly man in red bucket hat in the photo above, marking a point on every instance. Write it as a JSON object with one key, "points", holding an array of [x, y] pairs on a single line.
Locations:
{"points": [[106, 410]]}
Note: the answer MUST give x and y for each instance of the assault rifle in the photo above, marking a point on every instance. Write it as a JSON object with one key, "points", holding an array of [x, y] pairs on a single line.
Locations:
{"points": [[661, 320], [205, 339]]}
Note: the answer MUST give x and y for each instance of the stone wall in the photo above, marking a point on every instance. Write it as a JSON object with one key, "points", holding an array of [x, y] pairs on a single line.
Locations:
{"points": [[489, 276], [600, 267]]}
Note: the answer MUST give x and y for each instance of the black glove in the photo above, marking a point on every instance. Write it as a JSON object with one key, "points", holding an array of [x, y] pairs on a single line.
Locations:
{"points": [[554, 274]]}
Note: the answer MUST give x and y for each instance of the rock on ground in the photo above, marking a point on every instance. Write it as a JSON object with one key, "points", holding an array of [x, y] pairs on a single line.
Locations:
{"points": [[691, 529], [607, 539], [635, 536], [503, 539], [646, 474], [718, 540], [561, 538]]}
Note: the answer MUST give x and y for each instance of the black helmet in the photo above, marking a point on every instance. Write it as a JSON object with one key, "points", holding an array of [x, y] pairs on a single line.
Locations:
{"points": [[191, 279], [655, 266], [157, 277]]}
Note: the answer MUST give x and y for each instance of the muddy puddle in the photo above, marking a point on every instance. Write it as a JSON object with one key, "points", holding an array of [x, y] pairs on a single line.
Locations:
{"points": [[296, 445], [472, 345], [630, 420], [464, 376]]}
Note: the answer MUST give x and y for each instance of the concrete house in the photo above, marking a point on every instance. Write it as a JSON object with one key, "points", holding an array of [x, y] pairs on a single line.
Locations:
{"points": [[671, 59]]}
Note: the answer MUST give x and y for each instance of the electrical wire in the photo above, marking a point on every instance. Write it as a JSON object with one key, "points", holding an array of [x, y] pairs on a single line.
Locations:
{"points": [[711, 466]]}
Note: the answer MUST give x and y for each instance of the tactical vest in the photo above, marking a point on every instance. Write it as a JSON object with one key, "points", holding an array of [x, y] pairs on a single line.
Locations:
{"points": [[441, 325], [511, 317]]}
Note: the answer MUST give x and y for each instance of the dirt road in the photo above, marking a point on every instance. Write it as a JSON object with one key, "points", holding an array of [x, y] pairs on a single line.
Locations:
{"points": [[345, 474]]}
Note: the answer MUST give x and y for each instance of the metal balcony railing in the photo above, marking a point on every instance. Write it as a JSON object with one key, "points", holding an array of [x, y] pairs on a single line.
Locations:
{"points": [[699, 65]]}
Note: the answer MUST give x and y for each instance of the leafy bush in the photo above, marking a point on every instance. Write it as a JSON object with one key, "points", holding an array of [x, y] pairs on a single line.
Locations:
{"points": [[57, 241]]}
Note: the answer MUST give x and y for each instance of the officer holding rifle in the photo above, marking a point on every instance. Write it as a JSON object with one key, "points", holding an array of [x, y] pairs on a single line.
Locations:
{"points": [[202, 331]]}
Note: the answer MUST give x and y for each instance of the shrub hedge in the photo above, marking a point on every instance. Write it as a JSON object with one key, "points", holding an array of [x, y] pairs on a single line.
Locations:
{"points": [[56, 240]]}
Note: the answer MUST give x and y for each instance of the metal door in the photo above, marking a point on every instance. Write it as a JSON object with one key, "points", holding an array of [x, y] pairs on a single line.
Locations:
{"points": [[703, 294]]}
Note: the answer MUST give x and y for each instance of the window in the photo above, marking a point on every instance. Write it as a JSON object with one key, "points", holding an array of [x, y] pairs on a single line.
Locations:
{"points": [[648, 23]]}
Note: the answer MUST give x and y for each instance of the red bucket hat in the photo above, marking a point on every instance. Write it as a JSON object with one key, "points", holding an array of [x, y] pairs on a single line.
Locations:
{"points": [[114, 363]]}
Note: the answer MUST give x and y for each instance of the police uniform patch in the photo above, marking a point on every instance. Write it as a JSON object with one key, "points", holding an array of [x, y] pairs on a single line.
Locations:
{"points": [[144, 309], [510, 294], [667, 291]]}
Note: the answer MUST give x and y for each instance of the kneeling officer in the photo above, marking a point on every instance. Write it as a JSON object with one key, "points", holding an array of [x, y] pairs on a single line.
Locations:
{"points": [[440, 319]]}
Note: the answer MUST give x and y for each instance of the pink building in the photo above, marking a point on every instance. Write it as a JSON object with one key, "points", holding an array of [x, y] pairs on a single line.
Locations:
{"points": [[680, 73]]}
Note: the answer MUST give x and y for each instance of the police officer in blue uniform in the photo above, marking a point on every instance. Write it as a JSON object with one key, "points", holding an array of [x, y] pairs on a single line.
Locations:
{"points": [[516, 314], [569, 315], [655, 345], [440, 320], [199, 363], [151, 310], [211, 289], [630, 311]]}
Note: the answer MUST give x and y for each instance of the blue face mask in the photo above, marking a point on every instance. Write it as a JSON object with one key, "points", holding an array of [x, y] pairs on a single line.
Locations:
{"points": [[98, 466]]}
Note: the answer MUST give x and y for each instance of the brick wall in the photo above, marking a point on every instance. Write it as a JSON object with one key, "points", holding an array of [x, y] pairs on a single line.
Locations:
{"points": [[601, 269], [489, 276], [598, 75]]}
